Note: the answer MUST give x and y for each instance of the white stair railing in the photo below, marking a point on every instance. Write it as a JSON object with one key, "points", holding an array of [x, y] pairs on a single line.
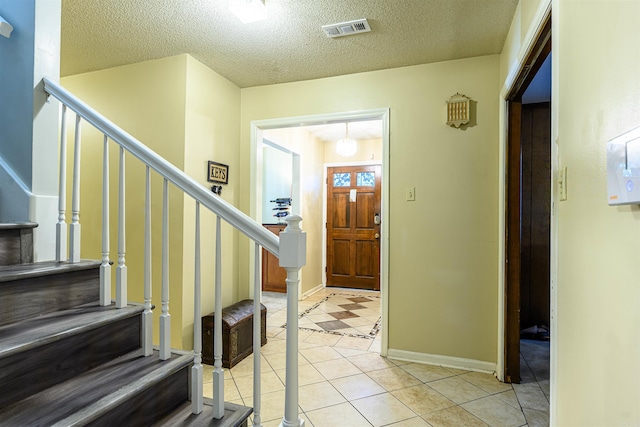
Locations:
{"points": [[290, 247]]}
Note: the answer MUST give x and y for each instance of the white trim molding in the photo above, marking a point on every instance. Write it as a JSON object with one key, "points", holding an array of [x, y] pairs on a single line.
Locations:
{"points": [[444, 361]]}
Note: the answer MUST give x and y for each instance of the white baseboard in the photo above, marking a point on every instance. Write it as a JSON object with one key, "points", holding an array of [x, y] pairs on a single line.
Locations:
{"points": [[313, 291], [445, 361]]}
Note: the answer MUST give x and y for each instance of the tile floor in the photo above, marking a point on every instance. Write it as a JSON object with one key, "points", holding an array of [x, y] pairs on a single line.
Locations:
{"points": [[343, 381]]}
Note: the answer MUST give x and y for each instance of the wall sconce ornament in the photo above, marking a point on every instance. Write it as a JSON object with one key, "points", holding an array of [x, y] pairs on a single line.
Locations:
{"points": [[458, 111]]}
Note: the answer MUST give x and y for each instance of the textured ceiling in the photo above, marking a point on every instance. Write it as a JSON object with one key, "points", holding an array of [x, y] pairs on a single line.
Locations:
{"points": [[289, 45]]}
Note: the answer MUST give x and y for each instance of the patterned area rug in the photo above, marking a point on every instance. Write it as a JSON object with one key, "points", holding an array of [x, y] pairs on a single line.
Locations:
{"points": [[343, 314]]}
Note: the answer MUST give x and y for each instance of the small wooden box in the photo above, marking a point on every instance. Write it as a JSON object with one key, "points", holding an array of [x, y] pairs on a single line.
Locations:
{"points": [[237, 333]]}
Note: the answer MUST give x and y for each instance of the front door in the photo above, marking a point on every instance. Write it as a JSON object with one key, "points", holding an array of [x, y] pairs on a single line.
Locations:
{"points": [[353, 226]]}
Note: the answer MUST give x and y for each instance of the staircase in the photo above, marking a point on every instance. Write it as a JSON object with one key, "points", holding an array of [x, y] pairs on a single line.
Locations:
{"points": [[65, 360]]}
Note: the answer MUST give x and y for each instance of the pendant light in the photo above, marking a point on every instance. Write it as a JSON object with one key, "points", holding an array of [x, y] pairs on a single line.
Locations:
{"points": [[346, 147]]}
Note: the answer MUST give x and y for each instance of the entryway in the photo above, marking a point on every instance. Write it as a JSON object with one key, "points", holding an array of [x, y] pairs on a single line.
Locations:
{"points": [[528, 244], [308, 192]]}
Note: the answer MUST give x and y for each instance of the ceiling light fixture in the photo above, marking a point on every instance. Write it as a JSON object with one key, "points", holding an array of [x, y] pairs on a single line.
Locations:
{"points": [[248, 11], [346, 147]]}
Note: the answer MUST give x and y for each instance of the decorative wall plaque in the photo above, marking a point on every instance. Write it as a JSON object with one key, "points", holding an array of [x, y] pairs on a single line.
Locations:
{"points": [[458, 110]]}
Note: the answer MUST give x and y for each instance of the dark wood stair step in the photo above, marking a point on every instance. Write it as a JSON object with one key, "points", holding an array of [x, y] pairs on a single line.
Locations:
{"points": [[234, 416], [16, 242], [130, 390], [39, 352], [33, 289]]}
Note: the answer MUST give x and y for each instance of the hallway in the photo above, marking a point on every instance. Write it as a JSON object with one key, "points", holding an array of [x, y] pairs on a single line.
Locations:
{"points": [[344, 381]]}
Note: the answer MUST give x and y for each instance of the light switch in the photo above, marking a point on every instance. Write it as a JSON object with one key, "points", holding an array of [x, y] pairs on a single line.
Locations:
{"points": [[410, 193]]}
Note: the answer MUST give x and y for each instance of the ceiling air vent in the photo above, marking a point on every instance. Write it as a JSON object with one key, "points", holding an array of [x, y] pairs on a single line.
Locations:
{"points": [[346, 28]]}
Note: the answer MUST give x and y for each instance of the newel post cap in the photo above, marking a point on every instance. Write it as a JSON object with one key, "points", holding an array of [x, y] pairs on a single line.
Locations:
{"points": [[293, 244]]}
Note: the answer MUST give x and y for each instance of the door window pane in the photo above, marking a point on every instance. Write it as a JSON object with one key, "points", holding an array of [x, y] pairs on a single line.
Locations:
{"points": [[342, 179], [365, 179]]}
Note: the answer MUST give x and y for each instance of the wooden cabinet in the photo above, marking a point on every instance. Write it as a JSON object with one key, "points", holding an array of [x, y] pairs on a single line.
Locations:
{"points": [[273, 276]]}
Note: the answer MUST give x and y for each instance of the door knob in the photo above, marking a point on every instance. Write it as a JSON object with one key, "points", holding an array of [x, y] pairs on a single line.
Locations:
{"points": [[377, 235]]}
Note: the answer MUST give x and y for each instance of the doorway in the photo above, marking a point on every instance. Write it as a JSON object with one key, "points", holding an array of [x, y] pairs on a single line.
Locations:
{"points": [[528, 212], [308, 284], [353, 227]]}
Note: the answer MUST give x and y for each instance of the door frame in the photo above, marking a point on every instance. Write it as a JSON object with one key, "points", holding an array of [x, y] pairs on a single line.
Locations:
{"points": [[515, 73], [255, 186], [325, 213]]}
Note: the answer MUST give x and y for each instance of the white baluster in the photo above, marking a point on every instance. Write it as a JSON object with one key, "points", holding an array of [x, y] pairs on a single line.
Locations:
{"points": [[121, 269], [105, 267], [61, 226], [218, 372], [147, 315], [257, 337], [165, 318], [292, 253], [196, 370], [74, 231]]}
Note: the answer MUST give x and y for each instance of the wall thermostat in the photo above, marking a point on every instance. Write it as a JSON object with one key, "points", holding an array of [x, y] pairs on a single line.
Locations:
{"points": [[623, 168]]}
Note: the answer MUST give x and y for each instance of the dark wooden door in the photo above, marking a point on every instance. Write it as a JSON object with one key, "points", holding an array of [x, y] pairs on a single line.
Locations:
{"points": [[273, 276], [353, 226]]}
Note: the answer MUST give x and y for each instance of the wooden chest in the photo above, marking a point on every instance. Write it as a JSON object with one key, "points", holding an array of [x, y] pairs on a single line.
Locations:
{"points": [[237, 333]]}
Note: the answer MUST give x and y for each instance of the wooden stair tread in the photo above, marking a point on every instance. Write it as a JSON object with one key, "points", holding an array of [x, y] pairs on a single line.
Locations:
{"points": [[234, 416], [36, 331], [88, 396], [45, 268]]}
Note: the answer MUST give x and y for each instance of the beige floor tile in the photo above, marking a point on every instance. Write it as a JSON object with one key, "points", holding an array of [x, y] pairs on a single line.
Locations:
{"points": [[376, 346], [274, 346], [343, 414], [307, 374], [338, 368], [271, 406], [368, 362], [323, 338], [530, 396], [231, 392], [349, 352], [368, 313], [457, 389], [320, 317], [426, 373], [278, 361], [495, 412], [319, 395], [357, 321], [422, 399], [536, 418], [487, 382], [354, 343], [456, 371], [245, 367], [454, 417], [269, 382], [509, 397], [398, 362], [393, 378], [383, 409], [357, 386], [320, 354], [412, 422]]}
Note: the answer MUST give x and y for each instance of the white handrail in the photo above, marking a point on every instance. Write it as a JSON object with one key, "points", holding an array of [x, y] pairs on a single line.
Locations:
{"points": [[226, 211]]}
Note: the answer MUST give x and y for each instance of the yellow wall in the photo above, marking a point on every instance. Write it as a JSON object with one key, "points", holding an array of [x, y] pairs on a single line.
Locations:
{"points": [[187, 114], [598, 88], [369, 150], [134, 97], [311, 151], [443, 248], [212, 131]]}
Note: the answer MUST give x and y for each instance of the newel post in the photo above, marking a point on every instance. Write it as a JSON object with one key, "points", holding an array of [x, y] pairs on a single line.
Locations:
{"points": [[293, 255]]}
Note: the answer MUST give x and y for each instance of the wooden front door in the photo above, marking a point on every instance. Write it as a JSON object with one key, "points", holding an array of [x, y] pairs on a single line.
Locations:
{"points": [[353, 226]]}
